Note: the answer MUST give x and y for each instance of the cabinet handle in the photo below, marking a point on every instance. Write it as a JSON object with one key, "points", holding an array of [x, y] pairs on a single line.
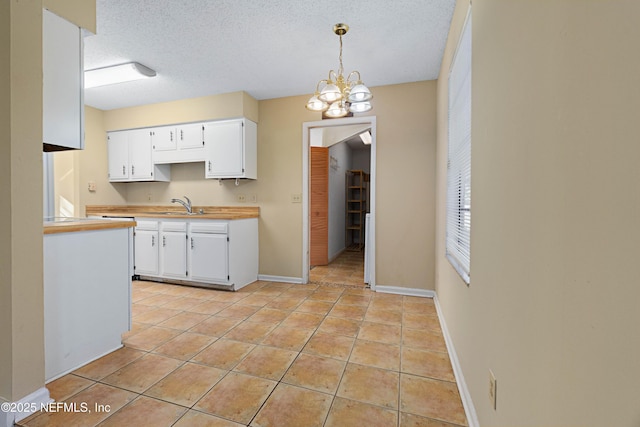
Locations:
{"points": [[164, 241], [133, 170], [181, 135], [192, 243], [209, 165], [124, 170], [153, 241], [171, 135]]}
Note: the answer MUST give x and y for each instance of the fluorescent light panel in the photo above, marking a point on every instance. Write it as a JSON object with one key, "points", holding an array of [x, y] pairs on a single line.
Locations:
{"points": [[366, 137], [116, 74]]}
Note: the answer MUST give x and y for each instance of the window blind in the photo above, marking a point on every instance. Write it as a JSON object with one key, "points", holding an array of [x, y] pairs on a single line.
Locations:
{"points": [[458, 227]]}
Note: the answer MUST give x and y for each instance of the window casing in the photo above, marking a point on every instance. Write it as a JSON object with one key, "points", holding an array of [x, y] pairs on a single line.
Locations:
{"points": [[458, 215]]}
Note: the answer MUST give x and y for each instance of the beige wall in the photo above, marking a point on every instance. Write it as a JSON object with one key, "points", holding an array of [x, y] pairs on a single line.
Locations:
{"points": [[21, 281], [21, 296], [80, 12], [91, 164], [405, 196], [406, 178], [552, 305]]}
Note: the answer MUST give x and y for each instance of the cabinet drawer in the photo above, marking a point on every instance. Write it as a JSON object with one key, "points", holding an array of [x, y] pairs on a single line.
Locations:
{"points": [[146, 225], [209, 228], [174, 226]]}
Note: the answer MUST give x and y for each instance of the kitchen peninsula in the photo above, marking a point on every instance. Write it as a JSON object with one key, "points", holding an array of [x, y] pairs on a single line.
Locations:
{"points": [[87, 290]]}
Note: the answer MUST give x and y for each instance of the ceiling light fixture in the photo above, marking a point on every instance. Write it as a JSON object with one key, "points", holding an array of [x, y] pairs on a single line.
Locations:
{"points": [[339, 96], [116, 74]]}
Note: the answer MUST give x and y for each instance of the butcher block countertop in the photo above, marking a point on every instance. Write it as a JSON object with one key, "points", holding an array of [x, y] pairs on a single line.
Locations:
{"points": [[175, 211], [81, 224]]}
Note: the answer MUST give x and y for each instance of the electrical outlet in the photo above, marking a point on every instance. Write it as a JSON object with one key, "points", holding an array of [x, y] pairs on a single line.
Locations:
{"points": [[296, 198], [92, 186], [493, 389], [242, 198], [253, 198]]}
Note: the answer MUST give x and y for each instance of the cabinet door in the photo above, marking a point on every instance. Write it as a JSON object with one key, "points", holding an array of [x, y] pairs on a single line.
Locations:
{"points": [[209, 257], [141, 166], [163, 138], [190, 136], [173, 254], [62, 83], [224, 146], [118, 156], [146, 252]]}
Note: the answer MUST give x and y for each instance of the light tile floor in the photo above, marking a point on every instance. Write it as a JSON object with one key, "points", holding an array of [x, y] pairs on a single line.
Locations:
{"points": [[347, 269], [271, 354]]}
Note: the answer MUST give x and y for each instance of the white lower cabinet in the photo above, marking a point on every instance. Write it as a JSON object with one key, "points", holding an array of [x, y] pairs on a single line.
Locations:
{"points": [[146, 244], [173, 249], [209, 257], [200, 251]]}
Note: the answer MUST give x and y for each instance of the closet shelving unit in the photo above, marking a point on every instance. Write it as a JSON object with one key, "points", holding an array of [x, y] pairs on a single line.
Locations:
{"points": [[356, 208]]}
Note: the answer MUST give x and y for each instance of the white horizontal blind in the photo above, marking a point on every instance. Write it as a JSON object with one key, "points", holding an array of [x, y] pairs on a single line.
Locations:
{"points": [[458, 244]]}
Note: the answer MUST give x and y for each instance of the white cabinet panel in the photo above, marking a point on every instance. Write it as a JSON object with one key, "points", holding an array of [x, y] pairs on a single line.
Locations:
{"points": [[130, 157], [118, 156], [62, 83], [190, 136], [141, 165], [163, 138], [146, 244], [173, 254], [231, 149], [209, 257], [178, 143]]}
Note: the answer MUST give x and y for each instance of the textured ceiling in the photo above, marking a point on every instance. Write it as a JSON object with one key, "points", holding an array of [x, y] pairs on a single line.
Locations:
{"points": [[269, 49]]}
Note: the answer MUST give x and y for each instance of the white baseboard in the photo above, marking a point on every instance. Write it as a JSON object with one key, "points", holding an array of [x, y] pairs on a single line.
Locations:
{"points": [[283, 279], [414, 292], [465, 395], [35, 400]]}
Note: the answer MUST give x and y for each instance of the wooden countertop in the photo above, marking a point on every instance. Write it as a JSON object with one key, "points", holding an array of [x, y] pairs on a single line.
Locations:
{"points": [[84, 225], [142, 211]]}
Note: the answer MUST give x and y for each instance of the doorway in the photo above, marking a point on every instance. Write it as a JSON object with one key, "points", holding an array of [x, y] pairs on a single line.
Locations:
{"points": [[331, 132]]}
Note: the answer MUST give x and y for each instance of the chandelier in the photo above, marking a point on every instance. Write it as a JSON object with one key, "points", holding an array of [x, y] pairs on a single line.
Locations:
{"points": [[339, 96]]}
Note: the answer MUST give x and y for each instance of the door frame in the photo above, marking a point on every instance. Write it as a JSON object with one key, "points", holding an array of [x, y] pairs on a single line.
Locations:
{"points": [[306, 148]]}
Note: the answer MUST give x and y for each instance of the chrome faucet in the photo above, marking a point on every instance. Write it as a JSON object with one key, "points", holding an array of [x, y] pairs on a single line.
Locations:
{"points": [[187, 204]]}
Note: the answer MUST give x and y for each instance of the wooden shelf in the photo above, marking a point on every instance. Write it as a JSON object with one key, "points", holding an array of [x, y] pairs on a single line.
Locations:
{"points": [[356, 198]]}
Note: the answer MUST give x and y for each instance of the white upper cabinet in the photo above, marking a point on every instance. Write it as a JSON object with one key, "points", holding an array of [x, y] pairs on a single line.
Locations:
{"points": [[131, 158], [62, 85], [118, 156], [231, 149], [178, 143]]}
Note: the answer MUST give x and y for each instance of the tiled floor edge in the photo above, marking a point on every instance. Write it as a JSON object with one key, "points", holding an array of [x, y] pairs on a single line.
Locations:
{"points": [[465, 395], [282, 279]]}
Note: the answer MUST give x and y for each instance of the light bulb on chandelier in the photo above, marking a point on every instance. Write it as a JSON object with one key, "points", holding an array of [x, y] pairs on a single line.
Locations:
{"points": [[339, 96]]}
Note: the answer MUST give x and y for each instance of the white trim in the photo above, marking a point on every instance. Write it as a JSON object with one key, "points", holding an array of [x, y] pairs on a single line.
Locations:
{"points": [[413, 292], [465, 395], [36, 400], [306, 127], [283, 279]]}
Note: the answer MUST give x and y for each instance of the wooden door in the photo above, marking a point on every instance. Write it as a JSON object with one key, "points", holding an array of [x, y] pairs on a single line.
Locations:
{"points": [[319, 209]]}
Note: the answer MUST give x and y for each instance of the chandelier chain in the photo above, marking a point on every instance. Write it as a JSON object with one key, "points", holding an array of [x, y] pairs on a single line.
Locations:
{"points": [[341, 69]]}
